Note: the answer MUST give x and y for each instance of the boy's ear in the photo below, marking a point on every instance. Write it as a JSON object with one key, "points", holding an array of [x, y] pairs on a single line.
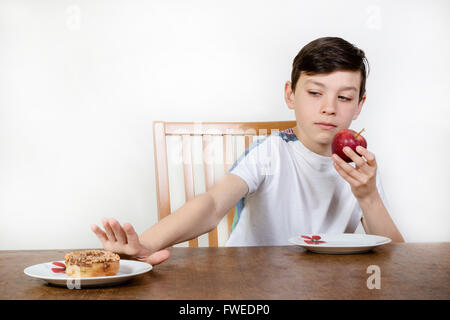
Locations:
{"points": [[358, 110], [289, 95]]}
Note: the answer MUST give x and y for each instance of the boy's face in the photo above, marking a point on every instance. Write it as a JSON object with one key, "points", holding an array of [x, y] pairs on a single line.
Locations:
{"points": [[324, 98]]}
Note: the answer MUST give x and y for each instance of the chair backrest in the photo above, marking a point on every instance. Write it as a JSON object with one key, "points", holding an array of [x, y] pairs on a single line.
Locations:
{"points": [[206, 130]]}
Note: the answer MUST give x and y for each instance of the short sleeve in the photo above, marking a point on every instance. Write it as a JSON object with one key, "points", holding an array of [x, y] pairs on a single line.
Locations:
{"points": [[256, 164]]}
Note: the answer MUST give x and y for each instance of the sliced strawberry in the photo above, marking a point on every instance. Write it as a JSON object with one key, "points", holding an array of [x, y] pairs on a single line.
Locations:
{"points": [[314, 241], [316, 237], [306, 237], [59, 270], [59, 264]]}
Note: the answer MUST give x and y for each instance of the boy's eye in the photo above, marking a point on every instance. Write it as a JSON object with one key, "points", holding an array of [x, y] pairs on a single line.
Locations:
{"points": [[313, 93]]}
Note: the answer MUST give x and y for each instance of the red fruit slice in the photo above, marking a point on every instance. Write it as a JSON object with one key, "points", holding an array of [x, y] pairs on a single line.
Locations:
{"points": [[59, 270], [59, 264], [314, 241], [316, 237], [306, 237]]}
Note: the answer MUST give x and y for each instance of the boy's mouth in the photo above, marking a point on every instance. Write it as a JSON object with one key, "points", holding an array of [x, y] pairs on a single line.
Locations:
{"points": [[326, 126]]}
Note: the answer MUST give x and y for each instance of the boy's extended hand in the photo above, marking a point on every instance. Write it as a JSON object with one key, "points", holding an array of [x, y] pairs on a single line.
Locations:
{"points": [[126, 241], [362, 179]]}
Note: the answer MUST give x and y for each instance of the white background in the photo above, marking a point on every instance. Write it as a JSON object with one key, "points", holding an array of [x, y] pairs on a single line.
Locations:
{"points": [[82, 81]]}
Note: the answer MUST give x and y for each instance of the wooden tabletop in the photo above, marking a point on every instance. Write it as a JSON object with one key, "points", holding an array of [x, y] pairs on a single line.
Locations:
{"points": [[407, 271]]}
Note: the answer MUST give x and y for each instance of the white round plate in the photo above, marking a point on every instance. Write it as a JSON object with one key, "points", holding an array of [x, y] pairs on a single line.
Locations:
{"points": [[127, 270], [343, 243]]}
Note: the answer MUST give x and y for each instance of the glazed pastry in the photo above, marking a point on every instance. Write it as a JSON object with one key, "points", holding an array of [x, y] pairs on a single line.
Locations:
{"points": [[92, 263]]}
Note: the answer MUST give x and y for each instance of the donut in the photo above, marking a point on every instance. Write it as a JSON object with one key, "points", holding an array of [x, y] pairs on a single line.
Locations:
{"points": [[92, 263]]}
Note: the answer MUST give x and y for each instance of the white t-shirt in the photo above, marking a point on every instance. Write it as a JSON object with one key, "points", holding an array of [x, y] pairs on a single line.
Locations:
{"points": [[291, 191]]}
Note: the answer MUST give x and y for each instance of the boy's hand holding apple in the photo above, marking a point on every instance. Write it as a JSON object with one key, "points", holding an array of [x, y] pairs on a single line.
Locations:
{"points": [[362, 178]]}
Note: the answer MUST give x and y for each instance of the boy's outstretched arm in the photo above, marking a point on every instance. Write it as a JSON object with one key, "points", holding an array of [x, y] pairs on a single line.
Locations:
{"points": [[196, 217], [362, 180]]}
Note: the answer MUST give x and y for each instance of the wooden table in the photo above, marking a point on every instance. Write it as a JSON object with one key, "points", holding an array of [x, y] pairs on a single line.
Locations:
{"points": [[408, 271]]}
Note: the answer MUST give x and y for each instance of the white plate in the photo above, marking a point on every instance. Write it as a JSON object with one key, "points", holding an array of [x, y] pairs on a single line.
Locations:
{"points": [[343, 243], [127, 270]]}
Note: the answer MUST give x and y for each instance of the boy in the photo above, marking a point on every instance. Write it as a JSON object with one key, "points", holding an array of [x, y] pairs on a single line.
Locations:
{"points": [[289, 182]]}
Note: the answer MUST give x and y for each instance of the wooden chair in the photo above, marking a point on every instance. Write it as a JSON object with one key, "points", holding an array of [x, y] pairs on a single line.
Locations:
{"points": [[206, 130]]}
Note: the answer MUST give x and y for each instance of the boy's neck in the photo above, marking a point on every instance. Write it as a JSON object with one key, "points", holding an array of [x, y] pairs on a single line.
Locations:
{"points": [[320, 149]]}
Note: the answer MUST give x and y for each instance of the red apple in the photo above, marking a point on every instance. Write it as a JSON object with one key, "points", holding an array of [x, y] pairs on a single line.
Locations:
{"points": [[347, 138]]}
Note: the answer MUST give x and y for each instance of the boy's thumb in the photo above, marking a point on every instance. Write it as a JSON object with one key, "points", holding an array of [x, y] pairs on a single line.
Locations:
{"points": [[157, 257]]}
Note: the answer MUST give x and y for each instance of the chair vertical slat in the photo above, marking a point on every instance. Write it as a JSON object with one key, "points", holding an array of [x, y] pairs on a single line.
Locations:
{"points": [[188, 175], [209, 179], [248, 141], [228, 160], [162, 170]]}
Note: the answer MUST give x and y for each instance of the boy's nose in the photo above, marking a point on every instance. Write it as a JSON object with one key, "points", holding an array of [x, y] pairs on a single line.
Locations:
{"points": [[328, 108], [328, 105]]}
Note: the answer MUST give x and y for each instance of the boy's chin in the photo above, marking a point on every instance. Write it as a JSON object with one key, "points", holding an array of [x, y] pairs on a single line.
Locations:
{"points": [[324, 140], [326, 145]]}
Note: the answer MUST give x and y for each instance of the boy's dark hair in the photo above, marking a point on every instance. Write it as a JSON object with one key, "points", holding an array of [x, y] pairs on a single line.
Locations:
{"points": [[328, 54]]}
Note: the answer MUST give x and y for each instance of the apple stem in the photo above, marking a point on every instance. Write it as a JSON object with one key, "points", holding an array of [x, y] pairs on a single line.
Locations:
{"points": [[359, 133]]}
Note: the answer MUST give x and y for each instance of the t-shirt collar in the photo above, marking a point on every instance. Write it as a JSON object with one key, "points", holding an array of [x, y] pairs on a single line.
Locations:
{"points": [[317, 161]]}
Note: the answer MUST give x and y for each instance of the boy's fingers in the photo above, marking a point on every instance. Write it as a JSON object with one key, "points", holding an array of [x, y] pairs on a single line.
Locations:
{"points": [[347, 168], [132, 236], [158, 257], [99, 233], [108, 230], [370, 157], [118, 231], [359, 162], [344, 174]]}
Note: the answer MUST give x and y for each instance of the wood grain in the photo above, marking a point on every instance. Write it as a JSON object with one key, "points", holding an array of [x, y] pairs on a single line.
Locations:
{"points": [[408, 271]]}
